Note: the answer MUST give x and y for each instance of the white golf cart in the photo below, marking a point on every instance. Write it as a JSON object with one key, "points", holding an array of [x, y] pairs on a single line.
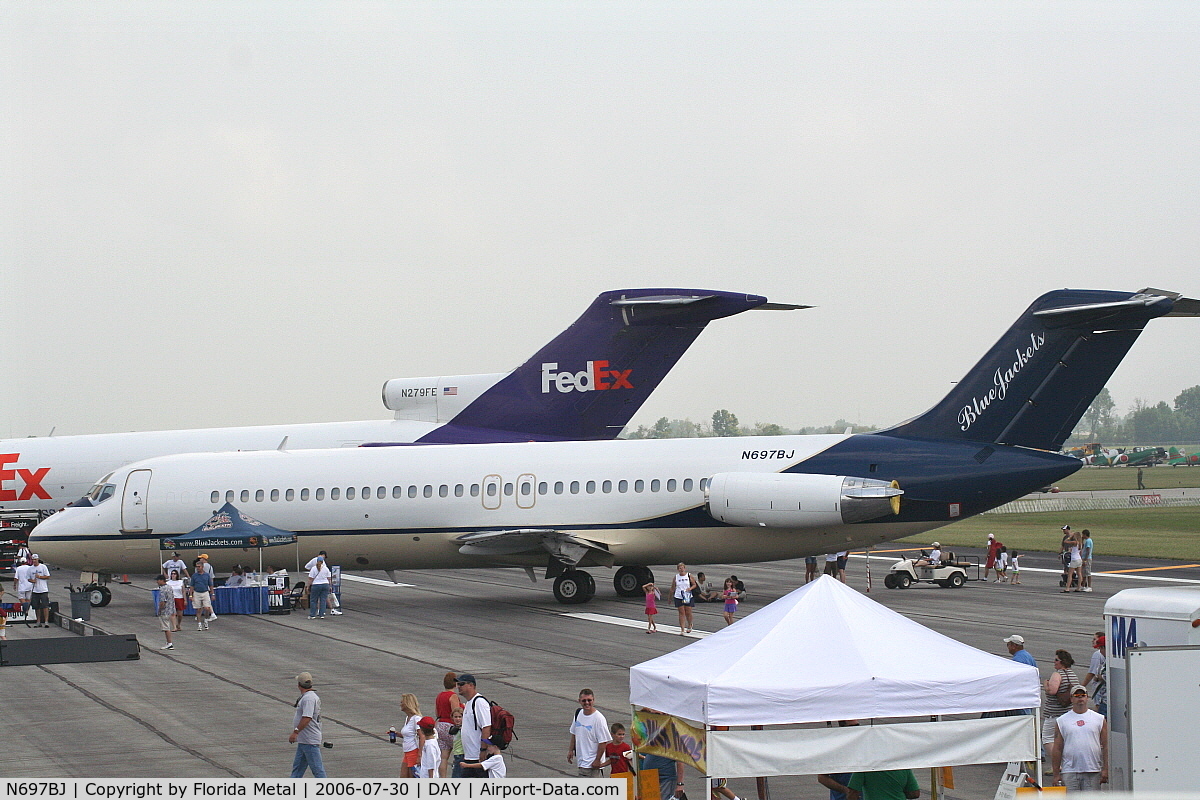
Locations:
{"points": [[951, 573]]}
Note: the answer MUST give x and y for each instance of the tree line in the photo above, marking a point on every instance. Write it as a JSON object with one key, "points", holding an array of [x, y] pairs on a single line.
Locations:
{"points": [[725, 423], [1158, 424]]}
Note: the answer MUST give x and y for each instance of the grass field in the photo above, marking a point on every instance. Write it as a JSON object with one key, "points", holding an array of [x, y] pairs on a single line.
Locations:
{"points": [[1092, 479], [1169, 532]]}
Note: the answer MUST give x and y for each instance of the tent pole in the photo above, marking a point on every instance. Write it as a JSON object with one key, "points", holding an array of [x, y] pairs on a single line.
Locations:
{"points": [[764, 790], [1037, 717]]}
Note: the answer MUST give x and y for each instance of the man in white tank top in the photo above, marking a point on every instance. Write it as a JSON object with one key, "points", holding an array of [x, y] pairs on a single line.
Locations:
{"points": [[1079, 755]]}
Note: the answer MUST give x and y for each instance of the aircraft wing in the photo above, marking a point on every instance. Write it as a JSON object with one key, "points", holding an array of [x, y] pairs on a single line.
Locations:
{"points": [[566, 549]]}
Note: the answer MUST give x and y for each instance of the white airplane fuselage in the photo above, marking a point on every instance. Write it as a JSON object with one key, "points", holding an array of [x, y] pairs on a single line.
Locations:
{"points": [[403, 507], [46, 473]]}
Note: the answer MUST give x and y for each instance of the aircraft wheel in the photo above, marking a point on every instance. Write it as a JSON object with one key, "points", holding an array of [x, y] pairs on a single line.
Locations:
{"points": [[956, 581], [903, 580], [99, 596], [628, 581], [574, 587], [889, 580]]}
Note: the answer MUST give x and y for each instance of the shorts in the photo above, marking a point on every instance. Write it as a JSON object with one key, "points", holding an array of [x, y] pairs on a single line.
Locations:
{"points": [[1081, 781], [167, 623], [730, 608], [412, 758], [810, 561], [180, 605], [25, 595], [1087, 568], [680, 602], [591, 772], [831, 568], [1049, 728], [41, 600], [1075, 563], [201, 600], [841, 562], [444, 739]]}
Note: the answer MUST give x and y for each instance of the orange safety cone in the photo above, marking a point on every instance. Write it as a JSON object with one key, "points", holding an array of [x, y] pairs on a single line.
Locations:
{"points": [[125, 580]]}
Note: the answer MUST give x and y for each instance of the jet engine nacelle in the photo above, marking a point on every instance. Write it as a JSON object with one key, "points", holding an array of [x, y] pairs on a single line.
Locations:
{"points": [[435, 399], [790, 500]]}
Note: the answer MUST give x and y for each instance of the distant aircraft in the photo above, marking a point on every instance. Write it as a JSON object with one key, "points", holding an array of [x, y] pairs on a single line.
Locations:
{"points": [[585, 384], [1145, 456], [1178, 458], [565, 506], [1105, 458]]}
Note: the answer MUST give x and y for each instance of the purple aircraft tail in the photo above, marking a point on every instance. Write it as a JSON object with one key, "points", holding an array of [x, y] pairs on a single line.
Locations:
{"points": [[593, 377]]}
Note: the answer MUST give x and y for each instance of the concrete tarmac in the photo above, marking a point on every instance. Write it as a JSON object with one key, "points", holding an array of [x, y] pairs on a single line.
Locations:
{"points": [[220, 704]]}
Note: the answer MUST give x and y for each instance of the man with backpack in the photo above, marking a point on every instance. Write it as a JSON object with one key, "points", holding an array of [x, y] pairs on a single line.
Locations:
{"points": [[476, 724]]}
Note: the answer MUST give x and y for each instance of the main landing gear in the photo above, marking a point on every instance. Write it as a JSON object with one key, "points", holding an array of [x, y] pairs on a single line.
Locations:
{"points": [[574, 587], [629, 580]]}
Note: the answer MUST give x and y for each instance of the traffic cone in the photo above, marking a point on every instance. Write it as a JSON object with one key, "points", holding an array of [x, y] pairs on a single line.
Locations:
{"points": [[125, 580]]}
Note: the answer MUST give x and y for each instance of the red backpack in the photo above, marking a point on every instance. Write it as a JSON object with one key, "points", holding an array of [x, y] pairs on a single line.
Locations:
{"points": [[503, 723]]}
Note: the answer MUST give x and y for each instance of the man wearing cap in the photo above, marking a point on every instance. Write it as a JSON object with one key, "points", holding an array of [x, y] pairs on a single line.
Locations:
{"points": [[175, 563], [306, 730], [40, 598], [933, 559], [589, 734], [1016, 649], [24, 585], [476, 724], [1079, 756], [993, 549]]}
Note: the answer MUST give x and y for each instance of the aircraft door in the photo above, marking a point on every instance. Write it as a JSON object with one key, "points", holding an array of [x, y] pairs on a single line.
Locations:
{"points": [[526, 491], [134, 517], [492, 494]]}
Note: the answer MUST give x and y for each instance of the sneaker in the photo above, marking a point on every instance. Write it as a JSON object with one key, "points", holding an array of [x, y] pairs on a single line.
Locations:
{"points": [[206, 626], [212, 617], [168, 646], [336, 612], [199, 627], [1087, 588]]}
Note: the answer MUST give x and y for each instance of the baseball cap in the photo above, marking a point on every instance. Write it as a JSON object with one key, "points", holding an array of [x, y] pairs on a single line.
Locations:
{"points": [[204, 555], [991, 536], [304, 679], [1079, 689], [1066, 527], [35, 555], [466, 677], [427, 723], [937, 544], [1016, 638]]}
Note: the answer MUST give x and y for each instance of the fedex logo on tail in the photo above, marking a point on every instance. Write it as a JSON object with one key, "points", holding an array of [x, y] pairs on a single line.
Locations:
{"points": [[32, 480], [596, 377]]}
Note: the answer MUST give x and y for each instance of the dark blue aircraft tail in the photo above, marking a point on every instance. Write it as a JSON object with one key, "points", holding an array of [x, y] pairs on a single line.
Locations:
{"points": [[593, 377], [1035, 384]]}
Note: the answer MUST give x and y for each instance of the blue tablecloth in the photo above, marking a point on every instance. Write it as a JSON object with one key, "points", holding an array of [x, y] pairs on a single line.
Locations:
{"points": [[231, 600]]}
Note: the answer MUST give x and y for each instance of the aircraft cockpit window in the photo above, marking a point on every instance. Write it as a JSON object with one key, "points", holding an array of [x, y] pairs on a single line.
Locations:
{"points": [[104, 492]]}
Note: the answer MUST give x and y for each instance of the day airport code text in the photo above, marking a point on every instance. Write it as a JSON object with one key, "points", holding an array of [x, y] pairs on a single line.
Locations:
{"points": [[458, 789]]}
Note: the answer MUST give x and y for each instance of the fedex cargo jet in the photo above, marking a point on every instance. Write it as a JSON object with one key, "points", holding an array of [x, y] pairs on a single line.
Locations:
{"points": [[570, 505], [585, 384]]}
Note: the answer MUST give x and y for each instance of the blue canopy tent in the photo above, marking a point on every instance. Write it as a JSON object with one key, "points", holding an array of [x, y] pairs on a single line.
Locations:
{"points": [[229, 528]]}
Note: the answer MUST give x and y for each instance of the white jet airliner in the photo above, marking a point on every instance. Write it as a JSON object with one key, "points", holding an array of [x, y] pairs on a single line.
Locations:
{"points": [[569, 505]]}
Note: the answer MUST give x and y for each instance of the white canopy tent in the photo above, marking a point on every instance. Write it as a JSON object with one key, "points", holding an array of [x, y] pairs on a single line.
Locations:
{"points": [[826, 652]]}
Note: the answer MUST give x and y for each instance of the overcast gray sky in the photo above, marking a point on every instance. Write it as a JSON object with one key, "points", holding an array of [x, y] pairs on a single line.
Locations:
{"points": [[248, 213]]}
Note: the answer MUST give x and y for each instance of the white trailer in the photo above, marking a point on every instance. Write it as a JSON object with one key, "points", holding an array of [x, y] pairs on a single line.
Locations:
{"points": [[1153, 654]]}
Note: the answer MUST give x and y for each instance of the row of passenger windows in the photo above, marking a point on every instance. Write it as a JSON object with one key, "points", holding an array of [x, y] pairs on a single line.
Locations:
{"points": [[490, 489]]}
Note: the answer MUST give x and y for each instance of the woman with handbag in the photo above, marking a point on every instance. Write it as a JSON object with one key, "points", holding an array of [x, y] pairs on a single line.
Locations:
{"points": [[685, 600]]}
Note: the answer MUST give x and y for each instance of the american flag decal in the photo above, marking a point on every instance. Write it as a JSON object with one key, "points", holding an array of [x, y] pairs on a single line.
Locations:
{"points": [[450, 390]]}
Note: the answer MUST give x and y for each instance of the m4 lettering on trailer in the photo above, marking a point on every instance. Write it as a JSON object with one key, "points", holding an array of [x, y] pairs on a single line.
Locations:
{"points": [[596, 377], [754, 455], [31, 480]]}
